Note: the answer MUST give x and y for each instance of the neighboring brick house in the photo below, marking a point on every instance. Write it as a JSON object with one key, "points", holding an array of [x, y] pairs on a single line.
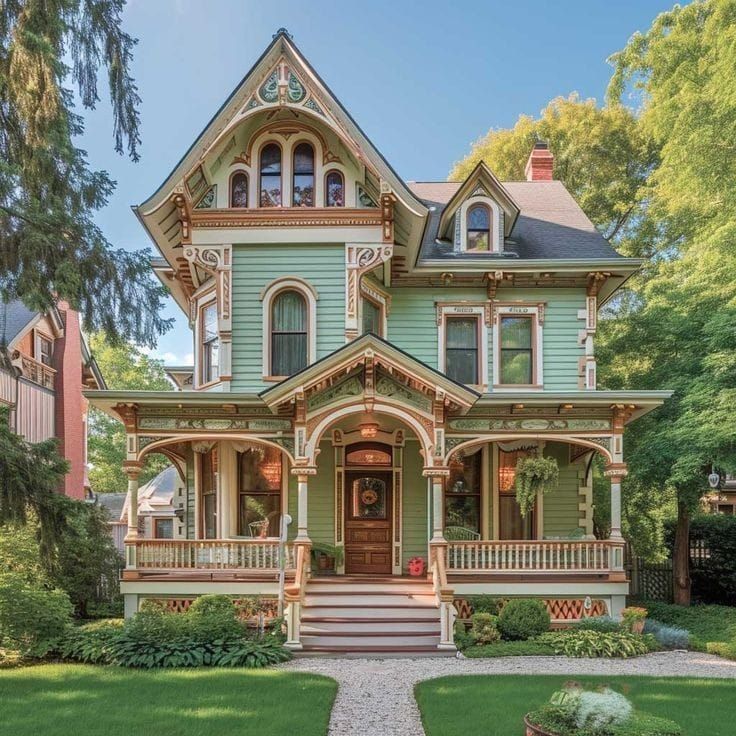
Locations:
{"points": [[45, 364]]}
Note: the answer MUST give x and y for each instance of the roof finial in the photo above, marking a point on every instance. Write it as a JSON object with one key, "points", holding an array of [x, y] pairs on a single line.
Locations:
{"points": [[283, 32]]}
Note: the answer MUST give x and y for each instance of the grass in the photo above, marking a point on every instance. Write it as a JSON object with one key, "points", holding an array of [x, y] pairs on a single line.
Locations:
{"points": [[706, 623], [58, 700], [527, 648], [494, 705]]}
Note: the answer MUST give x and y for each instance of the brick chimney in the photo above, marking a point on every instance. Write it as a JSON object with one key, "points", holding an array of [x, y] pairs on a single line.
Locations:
{"points": [[539, 165]]}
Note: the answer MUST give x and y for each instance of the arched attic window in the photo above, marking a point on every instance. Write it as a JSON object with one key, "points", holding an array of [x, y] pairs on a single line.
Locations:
{"points": [[478, 229], [270, 176], [334, 189], [289, 333], [303, 176], [239, 189]]}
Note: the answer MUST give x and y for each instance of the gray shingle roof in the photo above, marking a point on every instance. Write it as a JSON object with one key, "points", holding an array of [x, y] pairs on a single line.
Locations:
{"points": [[14, 316], [551, 224]]}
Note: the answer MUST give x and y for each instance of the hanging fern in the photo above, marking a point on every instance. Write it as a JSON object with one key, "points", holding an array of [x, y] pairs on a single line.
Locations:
{"points": [[534, 474]]}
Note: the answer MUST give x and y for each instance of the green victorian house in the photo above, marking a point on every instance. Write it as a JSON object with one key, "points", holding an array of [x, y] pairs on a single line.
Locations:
{"points": [[372, 359]]}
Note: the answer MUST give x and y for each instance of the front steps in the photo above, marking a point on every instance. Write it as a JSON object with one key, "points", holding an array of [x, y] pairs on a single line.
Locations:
{"points": [[367, 616]]}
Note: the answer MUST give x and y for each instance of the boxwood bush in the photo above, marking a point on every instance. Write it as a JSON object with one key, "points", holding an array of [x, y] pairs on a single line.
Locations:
{"points": [[485, 628], [523, 618]]}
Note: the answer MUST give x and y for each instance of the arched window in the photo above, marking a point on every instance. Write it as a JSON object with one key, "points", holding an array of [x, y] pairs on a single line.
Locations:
{"points": [[303, 176], [478, 229], [271, 176], [334, 190], [288, 333], [239, 189]]}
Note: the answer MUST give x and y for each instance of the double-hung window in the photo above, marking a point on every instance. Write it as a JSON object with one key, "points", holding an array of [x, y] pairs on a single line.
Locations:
{"points": [[461, 349], [288, 333], [210, 341], [516, 350]]}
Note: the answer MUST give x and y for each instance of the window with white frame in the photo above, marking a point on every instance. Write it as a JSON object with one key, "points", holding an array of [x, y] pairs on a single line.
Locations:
{"points": [[43, 349], [479, 226], [209, 344], [463, 342], [517, 346]]}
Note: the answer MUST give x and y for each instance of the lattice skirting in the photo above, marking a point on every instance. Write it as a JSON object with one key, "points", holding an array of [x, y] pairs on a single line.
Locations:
{"points": [[181, 605], [560, 609]]}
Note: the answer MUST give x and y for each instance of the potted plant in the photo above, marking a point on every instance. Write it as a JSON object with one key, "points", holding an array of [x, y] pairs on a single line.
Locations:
{"points": [[633, 619], [535, 474], [574, 711], [326, 558], [416, 566]]}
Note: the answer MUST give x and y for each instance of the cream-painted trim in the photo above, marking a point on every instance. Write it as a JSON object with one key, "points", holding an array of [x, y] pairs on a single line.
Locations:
{"points": [[205, 299], [536, 312], [477, 310], [495, 491], [378, 300], [496, 222], [279, 285], [485, 491]]}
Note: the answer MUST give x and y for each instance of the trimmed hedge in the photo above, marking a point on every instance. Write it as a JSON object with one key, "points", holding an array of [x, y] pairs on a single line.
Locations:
{"points": [[523, 618]]}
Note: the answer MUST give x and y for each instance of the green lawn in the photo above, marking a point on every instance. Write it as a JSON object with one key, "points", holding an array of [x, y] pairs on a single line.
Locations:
{"points": [[494, 705], [707, 623], [81, 700]]}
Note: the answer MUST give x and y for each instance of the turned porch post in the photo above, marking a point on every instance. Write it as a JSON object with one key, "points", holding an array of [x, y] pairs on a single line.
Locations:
{"points": [[438, 518], [616, 473], [302, 484], [132, 469]]}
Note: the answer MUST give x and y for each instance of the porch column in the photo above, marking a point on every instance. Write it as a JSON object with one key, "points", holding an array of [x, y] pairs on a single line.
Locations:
{"points": [[132, 469], [302, 485], [438, 517], [616, 472]]}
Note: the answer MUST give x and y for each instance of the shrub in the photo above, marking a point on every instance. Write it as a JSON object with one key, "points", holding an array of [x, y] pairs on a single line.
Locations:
{"points": [[485, 604], [668, 637], [32, 618], [90, 643], [463, 638], [211, 604], [575, 643], [725, 649], [523, 618], [529, 648], [485, 628], [605, 624]]}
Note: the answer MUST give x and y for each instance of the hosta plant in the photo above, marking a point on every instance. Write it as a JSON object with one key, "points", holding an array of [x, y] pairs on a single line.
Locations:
{"points": [[577, 643]]}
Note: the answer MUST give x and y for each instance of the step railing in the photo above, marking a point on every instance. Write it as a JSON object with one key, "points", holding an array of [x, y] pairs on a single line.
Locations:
{"points": [[210, 554], [444, 594], [545, 556], [294, 596]]}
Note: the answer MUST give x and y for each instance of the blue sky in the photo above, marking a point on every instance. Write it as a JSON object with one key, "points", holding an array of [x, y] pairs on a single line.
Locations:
{"points": [[423, 79]]}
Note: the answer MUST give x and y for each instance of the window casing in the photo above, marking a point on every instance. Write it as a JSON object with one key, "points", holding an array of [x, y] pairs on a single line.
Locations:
{"points": [[463, 497], [210, 344], [461, 349], [371, 317], [334, 189], [208, 484], [289, 333], [239, 190], [270, 190], [43, 349], [517, 359], [302, 181], [260, 477], [163, 528], [478, 229]]}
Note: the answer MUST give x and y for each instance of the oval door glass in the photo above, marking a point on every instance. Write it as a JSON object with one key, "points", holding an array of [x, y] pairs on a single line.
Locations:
{"points": [[369, 498]]}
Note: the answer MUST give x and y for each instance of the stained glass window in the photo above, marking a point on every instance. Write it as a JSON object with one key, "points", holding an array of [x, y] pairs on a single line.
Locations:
{"points": [[288, 333], [516, 350], [369, 498], [239, 190], [478, 229], [461, 349], [303, 176], [271, 176], [334, 190]]}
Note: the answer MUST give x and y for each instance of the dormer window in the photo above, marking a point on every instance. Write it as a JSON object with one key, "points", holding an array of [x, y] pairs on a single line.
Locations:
{"points": [[478, 229], [239, 189], [303, 176], [271, 175]]}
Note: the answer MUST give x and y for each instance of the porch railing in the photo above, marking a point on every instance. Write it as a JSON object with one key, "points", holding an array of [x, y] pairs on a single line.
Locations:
{"points": [[536, 556], [211, 554]]}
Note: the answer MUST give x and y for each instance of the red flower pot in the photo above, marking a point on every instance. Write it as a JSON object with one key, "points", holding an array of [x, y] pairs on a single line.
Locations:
{"points": [[416, 567]]}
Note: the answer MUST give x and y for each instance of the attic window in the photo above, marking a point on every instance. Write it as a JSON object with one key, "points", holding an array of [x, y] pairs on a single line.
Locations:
{"points": [[478, 230]]}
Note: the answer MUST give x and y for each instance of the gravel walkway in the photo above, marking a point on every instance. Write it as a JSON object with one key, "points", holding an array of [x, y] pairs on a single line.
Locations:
{"points": [[376, 696]]}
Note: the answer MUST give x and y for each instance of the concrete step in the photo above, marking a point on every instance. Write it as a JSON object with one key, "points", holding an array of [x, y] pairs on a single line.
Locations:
{"points": [[372, 613], [360, 641], [369, 600], [336, 626], [374, 652]]}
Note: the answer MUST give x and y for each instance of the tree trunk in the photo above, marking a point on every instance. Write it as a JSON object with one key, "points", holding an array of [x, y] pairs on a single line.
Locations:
{"points": [[681, 556]]}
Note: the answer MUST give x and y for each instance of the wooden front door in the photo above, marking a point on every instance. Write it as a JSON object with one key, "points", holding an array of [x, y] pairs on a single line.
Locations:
{"points": [[368, 522]]}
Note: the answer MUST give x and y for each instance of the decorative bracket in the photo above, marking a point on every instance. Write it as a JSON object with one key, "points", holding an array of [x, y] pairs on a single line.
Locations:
{"points": [[359, 259]]}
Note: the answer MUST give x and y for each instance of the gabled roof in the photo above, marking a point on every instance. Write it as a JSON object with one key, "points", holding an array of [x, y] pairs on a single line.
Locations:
{"points": [[14, 318], [383, 353], [481, 177], [551, 225]]}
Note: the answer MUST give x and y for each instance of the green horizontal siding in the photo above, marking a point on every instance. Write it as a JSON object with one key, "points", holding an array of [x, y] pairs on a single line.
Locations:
{"points": [[254, 268], [414, 505], [561, 514]]}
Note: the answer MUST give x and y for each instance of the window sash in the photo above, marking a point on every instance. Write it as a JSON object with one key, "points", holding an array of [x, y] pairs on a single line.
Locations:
{"points": [[239, 190], [334, 190], [288, 352], [461, 349], [371, 318], [516, 359]]}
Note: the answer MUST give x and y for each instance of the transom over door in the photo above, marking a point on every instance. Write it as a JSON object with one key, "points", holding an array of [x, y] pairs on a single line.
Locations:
{"points": [[368, 522]]}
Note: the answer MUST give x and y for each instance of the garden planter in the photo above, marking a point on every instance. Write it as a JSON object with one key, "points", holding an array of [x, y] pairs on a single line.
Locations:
{"points": [[637, 627], [532, 730], [416, 567]]}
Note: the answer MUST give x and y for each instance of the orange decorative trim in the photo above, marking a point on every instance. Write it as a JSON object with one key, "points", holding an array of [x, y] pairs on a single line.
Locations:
{"points": [[560, 609], [287, 217]]}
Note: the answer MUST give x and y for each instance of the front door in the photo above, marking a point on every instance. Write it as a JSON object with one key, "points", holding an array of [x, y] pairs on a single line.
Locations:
{"points": [[368, 522]]}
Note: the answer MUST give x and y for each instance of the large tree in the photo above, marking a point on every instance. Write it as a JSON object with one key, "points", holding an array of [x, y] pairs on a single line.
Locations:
{"points": [[50, 246], [680, 330], [125, 368]]}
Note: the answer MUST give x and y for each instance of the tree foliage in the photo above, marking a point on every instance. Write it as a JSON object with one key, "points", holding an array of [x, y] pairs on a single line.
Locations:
{"points": [[50, 246], [125, 367]]}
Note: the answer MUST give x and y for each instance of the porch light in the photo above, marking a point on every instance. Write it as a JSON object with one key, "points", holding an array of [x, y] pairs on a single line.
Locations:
{"points": [[369, 430]]}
